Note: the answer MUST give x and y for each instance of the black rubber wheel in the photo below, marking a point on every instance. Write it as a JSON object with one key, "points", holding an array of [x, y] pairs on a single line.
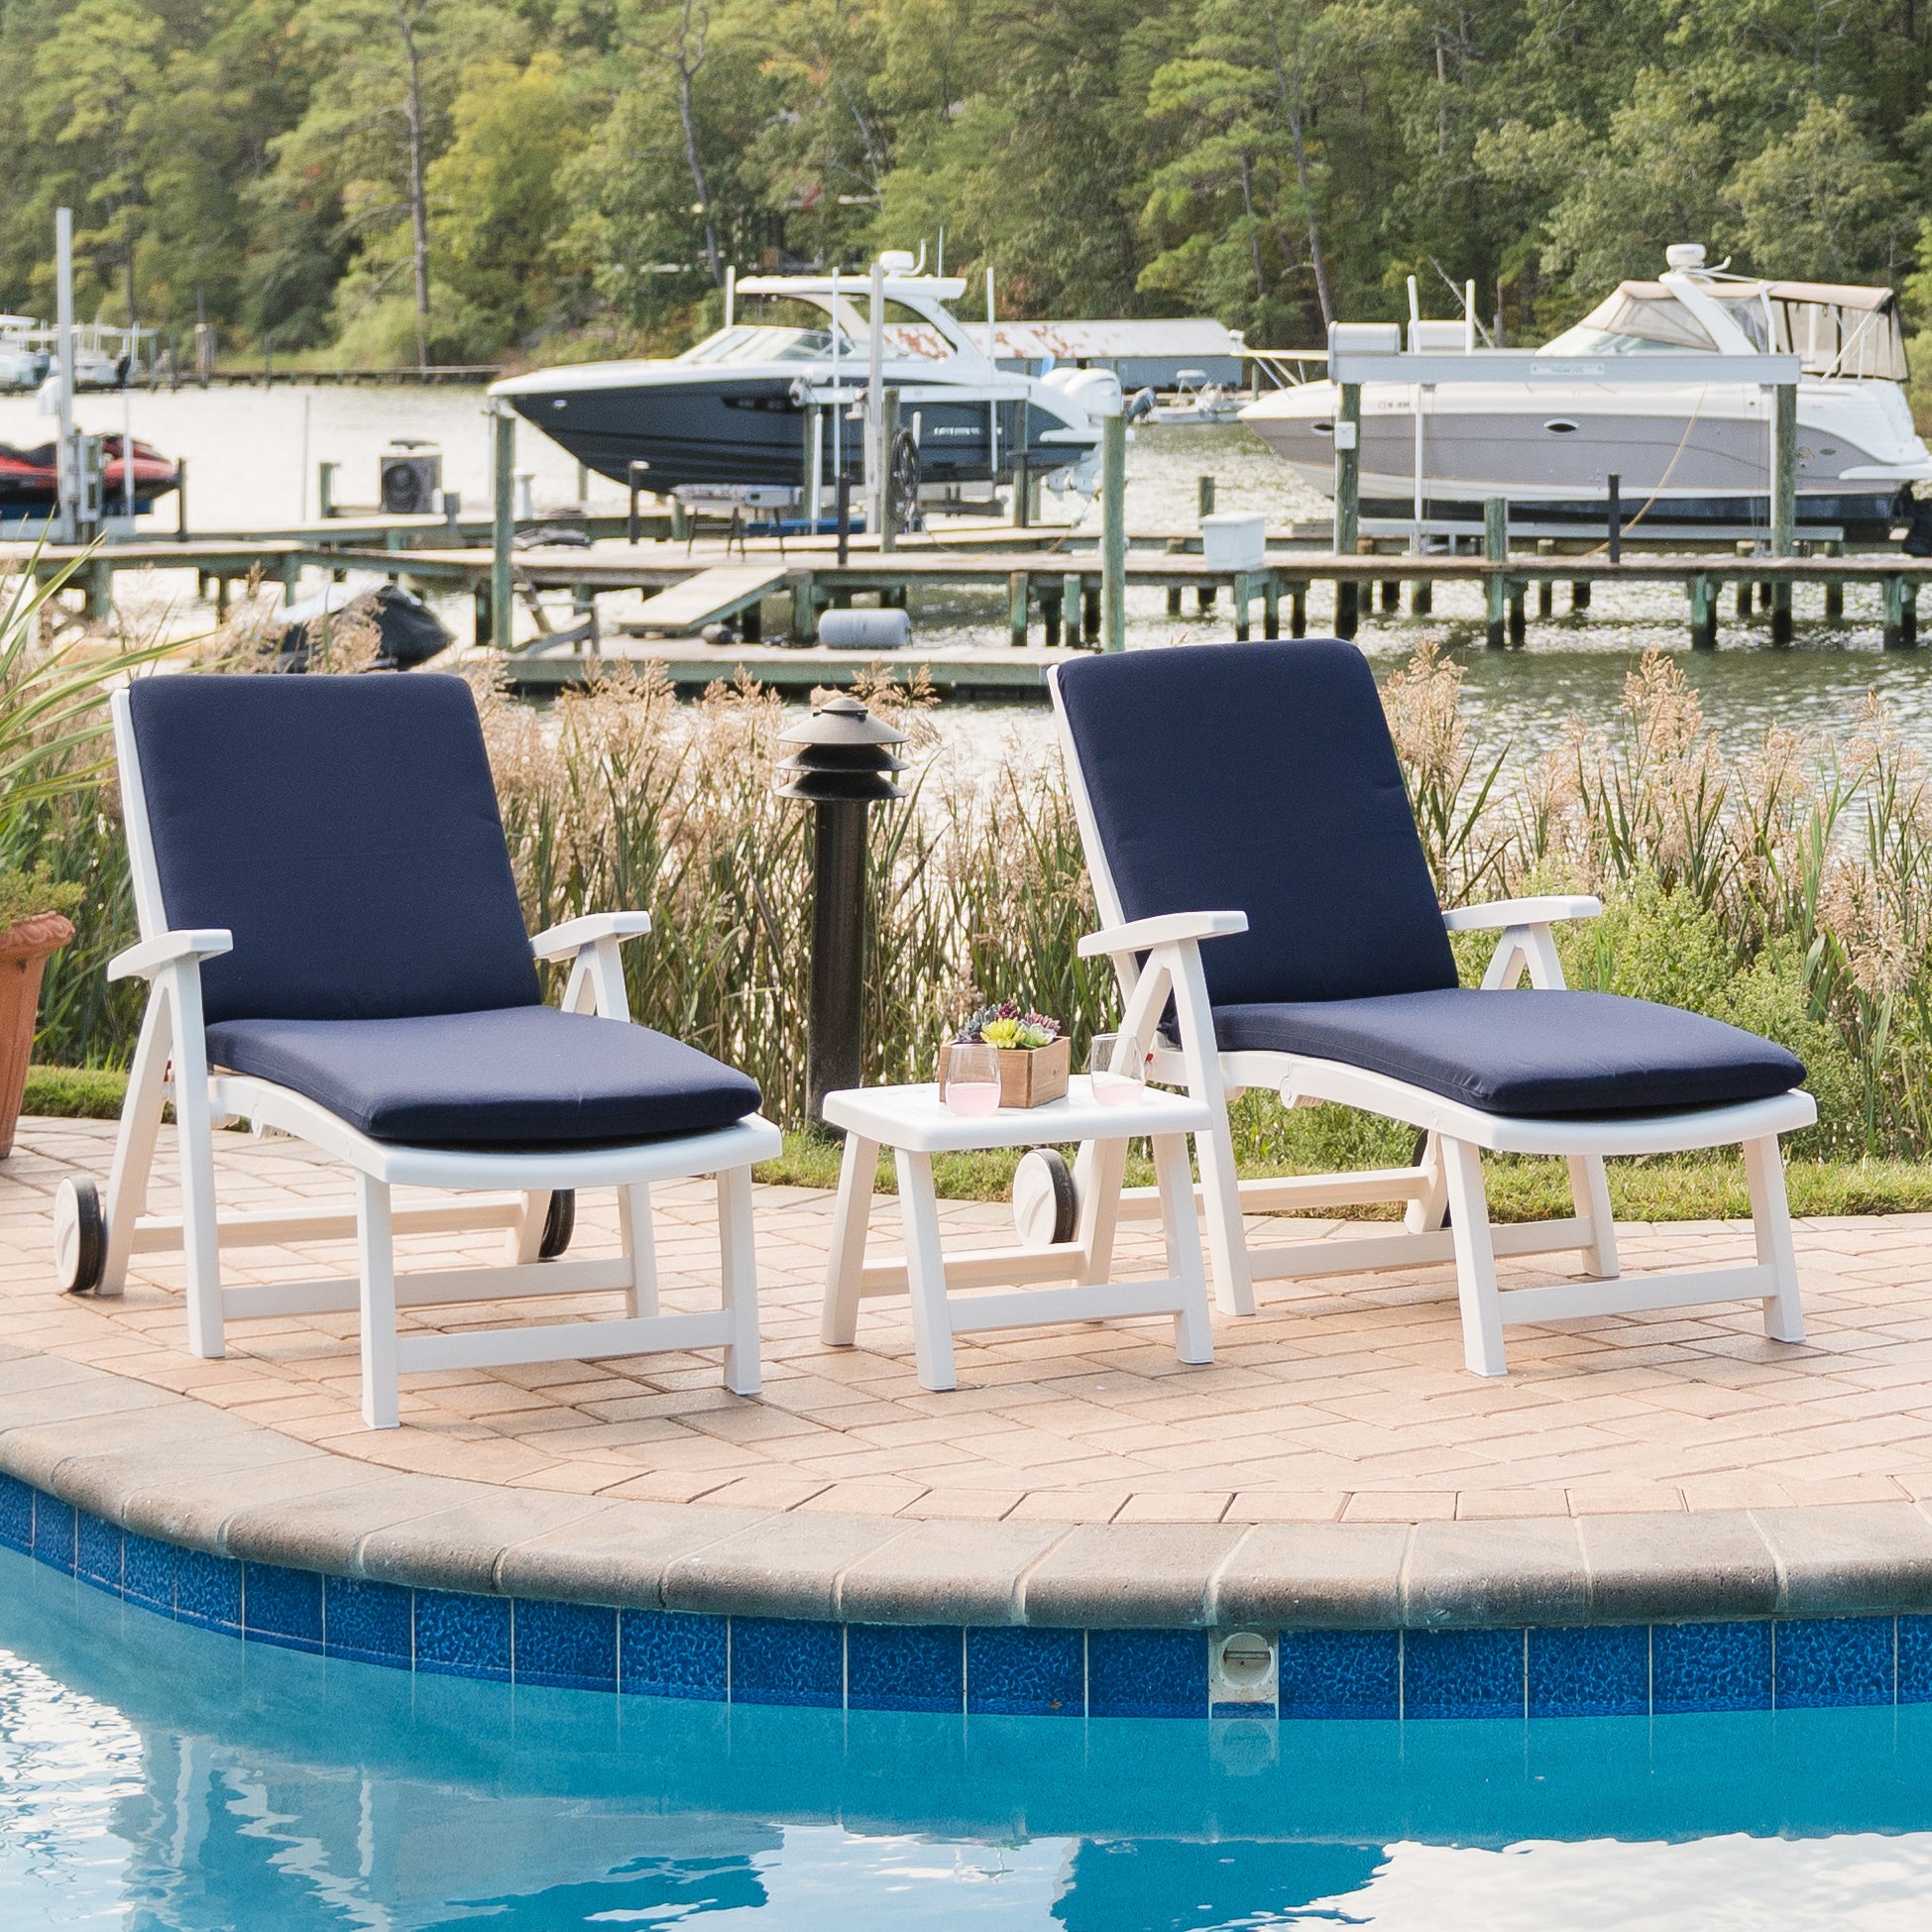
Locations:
{"points": [[79, 1236], [559, 1224], [1046, 1207], [903, 482]]}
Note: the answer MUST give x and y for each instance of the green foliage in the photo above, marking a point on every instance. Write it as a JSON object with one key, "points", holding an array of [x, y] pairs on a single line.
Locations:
{"points": [[467, 177], [74, 1092]]}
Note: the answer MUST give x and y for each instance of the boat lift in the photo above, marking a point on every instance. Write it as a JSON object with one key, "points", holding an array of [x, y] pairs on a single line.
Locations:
{"points": [[1371, 352]]}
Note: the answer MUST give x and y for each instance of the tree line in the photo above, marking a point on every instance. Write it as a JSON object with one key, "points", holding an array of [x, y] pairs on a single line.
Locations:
{"points": [[445, 180]]}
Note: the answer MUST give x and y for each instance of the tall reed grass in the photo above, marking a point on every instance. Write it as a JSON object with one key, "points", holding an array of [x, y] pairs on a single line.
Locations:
{"points": [[1788, 890]]}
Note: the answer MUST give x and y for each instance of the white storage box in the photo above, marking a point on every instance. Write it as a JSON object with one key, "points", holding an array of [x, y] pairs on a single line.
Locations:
{"points": [[1234, 542]]}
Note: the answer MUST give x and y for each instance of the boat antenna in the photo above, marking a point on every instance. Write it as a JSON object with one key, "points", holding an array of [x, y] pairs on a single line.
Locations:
{"points": [[731, 294], [939, 266]]}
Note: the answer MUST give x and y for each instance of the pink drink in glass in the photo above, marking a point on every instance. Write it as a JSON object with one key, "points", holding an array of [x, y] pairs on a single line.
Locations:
{"points": [[974, 1099]]}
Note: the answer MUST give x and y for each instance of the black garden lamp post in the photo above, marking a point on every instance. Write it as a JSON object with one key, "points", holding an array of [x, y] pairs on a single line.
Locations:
{"points": [[843, 764]]}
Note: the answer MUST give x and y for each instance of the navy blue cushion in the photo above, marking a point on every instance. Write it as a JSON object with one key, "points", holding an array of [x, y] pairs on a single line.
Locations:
{"points": [[524, 1076], [345, 830], [1526, 1052], [1260, 778]]}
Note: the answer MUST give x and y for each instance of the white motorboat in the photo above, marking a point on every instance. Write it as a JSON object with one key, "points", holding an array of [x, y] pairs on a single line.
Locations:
{"points": [[1195, 400], [752, 406], [1685, 453]]}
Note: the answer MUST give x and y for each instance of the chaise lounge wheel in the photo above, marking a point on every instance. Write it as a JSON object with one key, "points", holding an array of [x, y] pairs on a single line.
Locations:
{"points": [[559, 1224], [79, 1236], [1045, 1209]]}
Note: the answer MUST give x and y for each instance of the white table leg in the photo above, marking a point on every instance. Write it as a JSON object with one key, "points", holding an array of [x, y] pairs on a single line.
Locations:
{"points": [[1482, 1312], [851, 1218], [932, 1322], [1193, 1338], [738, 1267], [1771, 1216]]}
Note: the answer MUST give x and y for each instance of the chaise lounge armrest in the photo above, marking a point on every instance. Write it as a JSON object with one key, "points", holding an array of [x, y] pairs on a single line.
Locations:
{"points": [[559, 942], [144, 960], [1163, 929], [1503, 913]]}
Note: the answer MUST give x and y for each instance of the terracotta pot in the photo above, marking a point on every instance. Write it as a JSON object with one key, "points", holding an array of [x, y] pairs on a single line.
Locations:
{"points": [[24, 952]]}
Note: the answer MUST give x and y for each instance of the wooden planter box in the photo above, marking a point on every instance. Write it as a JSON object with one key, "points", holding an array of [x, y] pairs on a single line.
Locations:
{"points": [[1029, 1077]]}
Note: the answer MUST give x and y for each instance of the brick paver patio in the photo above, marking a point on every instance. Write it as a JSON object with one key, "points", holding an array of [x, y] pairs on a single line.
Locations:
{"points": [[1343, 1399]]}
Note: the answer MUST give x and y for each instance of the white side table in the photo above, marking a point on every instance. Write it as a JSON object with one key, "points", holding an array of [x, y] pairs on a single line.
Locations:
{"points": [[912, 1123]]}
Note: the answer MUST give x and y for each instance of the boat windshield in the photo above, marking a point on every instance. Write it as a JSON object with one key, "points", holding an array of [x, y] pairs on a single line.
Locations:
{"points": [[1635, 322], [764, 345]]}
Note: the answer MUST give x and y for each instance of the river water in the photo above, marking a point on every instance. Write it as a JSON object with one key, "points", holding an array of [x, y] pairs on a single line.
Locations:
{"points": [[252, 459]]}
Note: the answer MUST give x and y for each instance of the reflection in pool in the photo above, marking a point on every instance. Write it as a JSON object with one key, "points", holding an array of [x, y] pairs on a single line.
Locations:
{"points": [[153, 1776]]}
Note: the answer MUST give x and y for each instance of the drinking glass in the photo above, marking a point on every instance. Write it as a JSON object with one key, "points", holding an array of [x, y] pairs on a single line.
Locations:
{"points": [[972, 1077], [1117, 1068]]}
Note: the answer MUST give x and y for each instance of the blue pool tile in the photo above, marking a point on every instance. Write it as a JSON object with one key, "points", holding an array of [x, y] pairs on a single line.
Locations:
{"points": [[1710, 1667], [147, 1572], [54, 1533], [282, 1606], [207, 1590], [1026, 1672], [368, 1622], [1147, 1673], [776, 1660], [1828, 1660], [672, 1653], [1915, 1660], [568, 1645], [1603, 1671], [16, 1514], [1341, 1674], [98, 1551], [463, 1635], [1462, 1674], [905, 1668]]}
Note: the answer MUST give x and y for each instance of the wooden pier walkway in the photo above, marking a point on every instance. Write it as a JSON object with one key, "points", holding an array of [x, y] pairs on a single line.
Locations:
{"points": [[1047, 578]]}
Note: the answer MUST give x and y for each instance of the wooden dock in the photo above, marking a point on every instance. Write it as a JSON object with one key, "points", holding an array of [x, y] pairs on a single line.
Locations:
{"points": [[1049, 581]]}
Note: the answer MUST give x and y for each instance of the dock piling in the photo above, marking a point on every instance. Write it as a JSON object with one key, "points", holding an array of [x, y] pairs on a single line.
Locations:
{"points": [[1579, 595], [1239, 593], [1073, 611], [1113, 532], [1297, 609], [1902, 614], [1016, 597], [1834, 591], [1421, 598], [1204, 496], [1496, 549], [1270, 606], [503, 527], [1703, 614]]}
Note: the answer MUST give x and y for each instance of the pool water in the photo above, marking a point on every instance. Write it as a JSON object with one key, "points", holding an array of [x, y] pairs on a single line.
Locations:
{"points": [[153, 1776]]}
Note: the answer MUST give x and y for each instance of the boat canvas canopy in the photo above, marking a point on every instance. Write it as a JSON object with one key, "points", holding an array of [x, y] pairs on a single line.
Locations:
{"points": [[1840, 330]]}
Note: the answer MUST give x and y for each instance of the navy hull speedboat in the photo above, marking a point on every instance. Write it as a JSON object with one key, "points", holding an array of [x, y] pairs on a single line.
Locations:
{"points": [[753, 405]]}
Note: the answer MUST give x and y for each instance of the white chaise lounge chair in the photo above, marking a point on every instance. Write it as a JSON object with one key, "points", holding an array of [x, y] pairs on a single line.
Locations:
{"points": [[334, 948], [1255, 861]]}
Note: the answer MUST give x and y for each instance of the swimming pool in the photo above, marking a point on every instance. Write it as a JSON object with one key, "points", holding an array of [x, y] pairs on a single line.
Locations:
{"points": [[154, 1775]]}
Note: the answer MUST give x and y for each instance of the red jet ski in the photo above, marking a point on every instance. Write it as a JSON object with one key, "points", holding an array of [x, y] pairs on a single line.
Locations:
{"points": [[30, 487]]}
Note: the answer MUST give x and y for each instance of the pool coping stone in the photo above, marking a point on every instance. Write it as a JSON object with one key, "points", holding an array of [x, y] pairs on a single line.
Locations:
{"points": [[166, 1466]]}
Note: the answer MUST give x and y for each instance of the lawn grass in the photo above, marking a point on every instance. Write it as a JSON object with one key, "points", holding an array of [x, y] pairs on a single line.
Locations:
{"points": [[1671, 1187]]}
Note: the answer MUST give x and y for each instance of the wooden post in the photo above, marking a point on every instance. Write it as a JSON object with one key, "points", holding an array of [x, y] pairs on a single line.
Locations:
{"points": [[1016, 591], [1835, 588], [1744, 598], [804, 610], [1204, 496], [1271, 606], [1496, 549], [1902, 614], [180, 500], [483, 628], [1177, 547], [1784, 501], [680, 520], [1052, 603], [1072, 598], [1421, 598], [1022, 515], [1090, 616], [1348, 498], [1297, 609], [503, 527], [1113, 532], [1579, 595], [1703, 614], [633, 475], [1519, 618], [1240, 592], [888, 493], [1391, 595], [1613, 518]]}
